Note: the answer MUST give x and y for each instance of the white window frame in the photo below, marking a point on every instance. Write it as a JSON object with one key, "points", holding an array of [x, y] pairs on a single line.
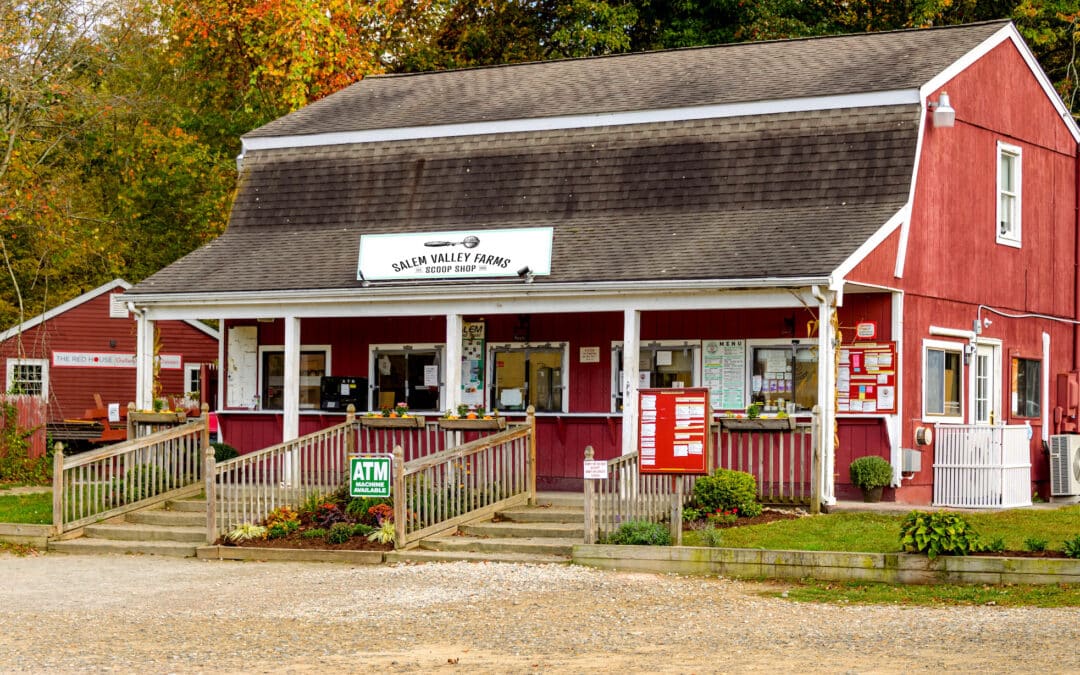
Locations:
{"points": [[43, 363], [656, 345], [440, 356], [751, 345], [1012, 237], [281, 348], [191, 371], [489, 383], [994, 397], [947, 346]]}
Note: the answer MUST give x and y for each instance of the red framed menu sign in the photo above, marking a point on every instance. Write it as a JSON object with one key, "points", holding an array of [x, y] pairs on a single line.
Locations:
{"points": [[673, 430], [866, 379]]}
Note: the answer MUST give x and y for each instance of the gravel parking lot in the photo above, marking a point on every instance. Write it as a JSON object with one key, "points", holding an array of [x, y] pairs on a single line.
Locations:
{"points": [[125, 613]]}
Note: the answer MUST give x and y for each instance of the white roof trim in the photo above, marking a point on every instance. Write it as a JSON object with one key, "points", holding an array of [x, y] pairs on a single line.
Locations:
{"points": [[861, 100], [75, 302], [1007, 32], [898, 219]]}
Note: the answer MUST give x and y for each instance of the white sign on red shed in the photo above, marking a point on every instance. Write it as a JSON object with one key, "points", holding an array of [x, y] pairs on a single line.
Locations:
{"points": [[674, 430]]}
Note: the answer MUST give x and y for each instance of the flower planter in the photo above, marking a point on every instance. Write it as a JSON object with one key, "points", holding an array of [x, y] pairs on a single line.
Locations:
{"points": [[157, 417], [493, 424], [758, 423], [872, 495], [411, 422]]}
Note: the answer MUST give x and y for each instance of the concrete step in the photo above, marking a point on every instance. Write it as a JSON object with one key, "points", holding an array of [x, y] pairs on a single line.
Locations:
{"points": [[543, 514], [525, 530], [423, 555], [561, 499], [138, 532], [532, 546], [85, 545], [168, 518], [187, 505]]}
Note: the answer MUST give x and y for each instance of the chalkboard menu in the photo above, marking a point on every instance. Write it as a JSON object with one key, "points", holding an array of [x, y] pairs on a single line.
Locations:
{"points": [[673, 430]]}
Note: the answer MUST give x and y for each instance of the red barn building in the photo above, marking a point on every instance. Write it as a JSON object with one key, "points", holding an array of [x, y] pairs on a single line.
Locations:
{"points": [[86, 347], [790, 224]]}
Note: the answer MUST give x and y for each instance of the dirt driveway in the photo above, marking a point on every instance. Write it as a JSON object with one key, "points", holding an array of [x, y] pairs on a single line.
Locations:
{"points": [[124, 613]]}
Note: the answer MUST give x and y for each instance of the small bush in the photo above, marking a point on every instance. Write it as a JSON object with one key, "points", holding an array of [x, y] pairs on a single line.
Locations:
{"points": [[246, 532], [638, 532], [996, 545], [339, 533], [283, 515], [691, 514], [1072, 547], [937, 534], [329, 514], [358, 508], [870, 472], [379, 514], [224, 451], [313, 533], [384, 534], [362, 530], [1035, 544], [710, 536], [277, 531], [725, 490]]}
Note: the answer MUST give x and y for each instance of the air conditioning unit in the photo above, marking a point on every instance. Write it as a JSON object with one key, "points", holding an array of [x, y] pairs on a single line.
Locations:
{"points": [[1064, 465]]}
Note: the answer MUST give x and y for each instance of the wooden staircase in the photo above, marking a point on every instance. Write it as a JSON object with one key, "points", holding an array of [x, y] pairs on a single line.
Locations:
{"points": [[545, 533], [176, 529]]}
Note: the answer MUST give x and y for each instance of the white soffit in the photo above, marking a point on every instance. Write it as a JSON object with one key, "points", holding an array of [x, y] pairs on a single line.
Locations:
{"points": [[861, 100]]}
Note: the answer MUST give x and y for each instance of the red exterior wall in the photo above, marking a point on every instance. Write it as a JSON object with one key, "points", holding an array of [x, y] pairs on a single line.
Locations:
{"points": [[953, 262], [88, 328]]}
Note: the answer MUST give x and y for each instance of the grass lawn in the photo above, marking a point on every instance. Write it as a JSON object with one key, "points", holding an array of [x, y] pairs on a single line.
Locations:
{"points": [[856, 593], [35, 509], [880, 533]]}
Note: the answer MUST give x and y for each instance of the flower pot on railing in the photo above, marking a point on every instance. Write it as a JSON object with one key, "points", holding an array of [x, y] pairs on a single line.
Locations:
{"points": [[758, 423], [379, 422], [463, 424]]}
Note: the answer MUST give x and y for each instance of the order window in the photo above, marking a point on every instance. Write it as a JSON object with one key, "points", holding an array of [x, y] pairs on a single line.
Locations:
{"points": [[407, 374], [313, 366], [1026, 387], [660, 365], [527, 375], [784, 374]]}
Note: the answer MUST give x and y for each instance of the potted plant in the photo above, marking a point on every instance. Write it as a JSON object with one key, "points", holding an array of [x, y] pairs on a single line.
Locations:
{"points": [[871, 474]]}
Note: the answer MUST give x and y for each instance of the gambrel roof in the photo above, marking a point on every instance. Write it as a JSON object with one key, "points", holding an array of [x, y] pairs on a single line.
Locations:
{"points": [[762, 161]]}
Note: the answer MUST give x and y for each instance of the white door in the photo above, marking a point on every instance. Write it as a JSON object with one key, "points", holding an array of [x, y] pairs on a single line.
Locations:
{"points": [[986, 388]]}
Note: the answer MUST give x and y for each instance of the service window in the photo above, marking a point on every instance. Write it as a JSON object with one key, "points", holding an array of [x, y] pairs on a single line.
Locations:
{"points": [[783, 374], [1026, 387], [662, 364], [410, 374], [314, 364], [943, 379], [527, 374]]}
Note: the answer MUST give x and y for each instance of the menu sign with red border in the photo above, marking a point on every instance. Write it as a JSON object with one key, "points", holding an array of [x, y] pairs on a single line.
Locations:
{"points": [[866, 380], [673, 430]]}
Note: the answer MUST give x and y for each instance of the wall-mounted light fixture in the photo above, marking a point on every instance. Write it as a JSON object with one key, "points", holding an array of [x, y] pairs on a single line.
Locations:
{"points": [[526, 273], [944, 116]]}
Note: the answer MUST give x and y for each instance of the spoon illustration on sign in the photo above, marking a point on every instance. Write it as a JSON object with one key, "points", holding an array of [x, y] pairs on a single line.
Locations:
{"points": [[467, 242]]}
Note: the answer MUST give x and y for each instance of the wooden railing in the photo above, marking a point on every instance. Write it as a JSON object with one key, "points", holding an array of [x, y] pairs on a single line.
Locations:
{"points": [[436, 493], [128, 476], [782, 462], [981, 466], [416, 442], [627, 495], [246, 488]]}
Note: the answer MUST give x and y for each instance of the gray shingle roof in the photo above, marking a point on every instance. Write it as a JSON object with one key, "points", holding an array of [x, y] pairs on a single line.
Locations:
{"points": [[783, 195], [756, 71]]}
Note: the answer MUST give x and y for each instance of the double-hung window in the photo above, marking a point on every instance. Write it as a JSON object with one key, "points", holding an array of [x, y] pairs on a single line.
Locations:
{"points": [[28, 376], [1008, 194], [943, 380]]}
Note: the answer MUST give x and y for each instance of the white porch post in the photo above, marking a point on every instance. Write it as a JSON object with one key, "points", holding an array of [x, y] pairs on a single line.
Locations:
{"points": [[827, 395], [144, 362], [630, 354], [290, 424], [452, 367]]}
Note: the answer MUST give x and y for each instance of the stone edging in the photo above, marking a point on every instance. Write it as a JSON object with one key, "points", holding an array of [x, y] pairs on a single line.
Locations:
{"points": [[28, 535], [895, 568], [290, 554]]}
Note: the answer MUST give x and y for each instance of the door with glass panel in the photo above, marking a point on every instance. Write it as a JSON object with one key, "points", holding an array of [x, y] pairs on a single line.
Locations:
{"points": [[987, 386]]}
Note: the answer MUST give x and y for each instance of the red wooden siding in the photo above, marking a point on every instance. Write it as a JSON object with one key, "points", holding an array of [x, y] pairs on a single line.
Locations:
{"points": [[88, 328], [29, 417]]}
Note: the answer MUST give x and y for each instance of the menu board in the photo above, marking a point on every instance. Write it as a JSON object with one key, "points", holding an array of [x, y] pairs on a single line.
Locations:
{"points": [[866, 380], [723, 372], [673, 430]]}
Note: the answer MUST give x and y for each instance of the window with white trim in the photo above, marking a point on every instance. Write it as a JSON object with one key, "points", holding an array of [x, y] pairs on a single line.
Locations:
{"points": [[314, 364], [661, 364], [410, 374], [28, 376], [1008, 194], [193, 379], [784, 373], [943, 377], [525, 374]]}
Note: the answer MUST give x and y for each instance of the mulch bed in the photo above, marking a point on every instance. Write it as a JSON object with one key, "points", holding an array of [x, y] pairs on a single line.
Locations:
{"points": [[295, 541]]}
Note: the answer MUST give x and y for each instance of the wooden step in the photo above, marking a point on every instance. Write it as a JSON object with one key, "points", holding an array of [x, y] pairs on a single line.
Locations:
{"points": [[168, 518], [94, 546], [534, 546], [525, 530], [424, 555], [543, 514], [139, 532]]}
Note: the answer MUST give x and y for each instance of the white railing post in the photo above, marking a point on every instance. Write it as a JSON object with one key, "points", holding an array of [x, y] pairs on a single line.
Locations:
{"points": [[58, 489], [209, 479], [400, 498], [590, 514]]}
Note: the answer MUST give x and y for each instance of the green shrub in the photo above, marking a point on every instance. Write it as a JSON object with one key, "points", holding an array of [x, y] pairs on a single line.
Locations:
{"points": [[997, 545], [245, 532], [726, 490], [1035, 544], [362, 530], [283, 515], [313, 533], [1072, 547], [223, 451], [710, 536], [384, 533], [937, 534], [639, 532], [358, 508], [691, 514], [339, 533], [277, 531], [870, 472]]}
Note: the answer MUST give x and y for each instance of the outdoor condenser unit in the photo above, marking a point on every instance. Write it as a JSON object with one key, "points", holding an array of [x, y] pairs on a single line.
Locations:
{"points": [[1064, 465]]}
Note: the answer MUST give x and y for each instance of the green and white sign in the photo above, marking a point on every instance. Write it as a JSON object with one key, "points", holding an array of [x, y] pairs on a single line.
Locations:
{"points": [[369, 476]]}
